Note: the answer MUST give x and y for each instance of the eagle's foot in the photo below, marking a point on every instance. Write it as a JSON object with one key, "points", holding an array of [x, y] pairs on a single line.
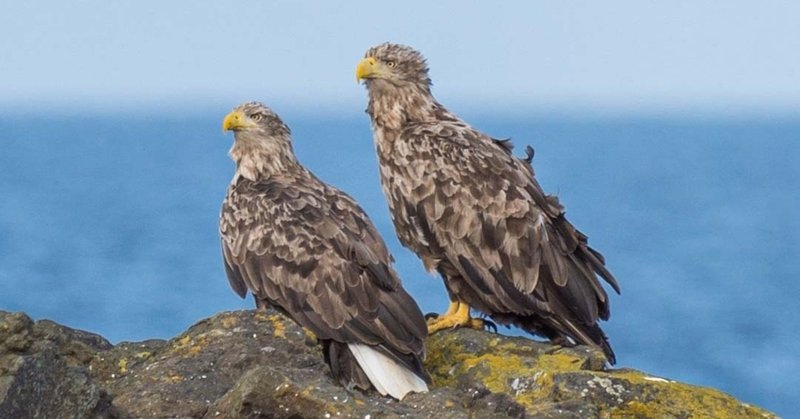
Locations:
{"points": [[489, 326], [457, 315]]}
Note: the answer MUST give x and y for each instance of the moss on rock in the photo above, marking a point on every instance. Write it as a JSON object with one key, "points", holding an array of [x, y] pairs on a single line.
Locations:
{"points": [[562, 382], [260, 364]]}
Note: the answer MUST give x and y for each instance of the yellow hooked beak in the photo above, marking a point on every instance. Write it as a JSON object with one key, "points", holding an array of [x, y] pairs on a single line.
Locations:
{"points": [[235, 121], [367, 69]]}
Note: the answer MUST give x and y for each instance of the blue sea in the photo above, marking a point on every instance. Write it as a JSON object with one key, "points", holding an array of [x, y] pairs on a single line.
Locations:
{"points": [[109, 224]]}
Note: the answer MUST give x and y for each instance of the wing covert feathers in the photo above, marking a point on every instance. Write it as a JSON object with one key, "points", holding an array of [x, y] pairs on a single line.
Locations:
{"points": [[309, 249], [476, 213]]}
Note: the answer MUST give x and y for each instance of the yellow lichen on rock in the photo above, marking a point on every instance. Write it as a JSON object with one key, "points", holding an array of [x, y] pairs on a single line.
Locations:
{"points": [[544, 378], [228, 322], [279, 330], [309, 335], [528, 380], [442, 358], [262, 316], [276, 320], [232, 365], [190, 346], [665, 397], [559, 361], [182, 342], [123, 365], [497, 372]]}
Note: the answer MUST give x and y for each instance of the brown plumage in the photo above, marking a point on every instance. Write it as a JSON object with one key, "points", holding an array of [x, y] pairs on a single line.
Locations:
{"points": [[476, 214], [310, 251]]}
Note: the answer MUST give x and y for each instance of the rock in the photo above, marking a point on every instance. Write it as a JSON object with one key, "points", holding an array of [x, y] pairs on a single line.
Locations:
{"points": [[254, 364], [43, 371], [555, 382]]}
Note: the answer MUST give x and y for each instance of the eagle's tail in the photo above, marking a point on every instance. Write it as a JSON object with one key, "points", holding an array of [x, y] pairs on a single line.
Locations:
{"points": [[387, 375], [592, 335], [566, 332]]}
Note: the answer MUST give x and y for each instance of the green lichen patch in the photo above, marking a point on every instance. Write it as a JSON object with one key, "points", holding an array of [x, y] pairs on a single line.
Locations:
{"points": [[261, 364], [568, 381]]}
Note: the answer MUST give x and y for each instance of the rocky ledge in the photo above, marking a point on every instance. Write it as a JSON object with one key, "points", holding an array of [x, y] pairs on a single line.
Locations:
{"points": [[259, 364]]}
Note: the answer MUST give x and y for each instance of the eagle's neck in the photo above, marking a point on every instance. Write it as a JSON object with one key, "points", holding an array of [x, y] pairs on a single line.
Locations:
{"points": [[393, 106], [259, 158]]}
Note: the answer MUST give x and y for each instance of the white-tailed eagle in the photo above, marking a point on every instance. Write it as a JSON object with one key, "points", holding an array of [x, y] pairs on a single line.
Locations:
{"points": [[476, 214], [307, 249]]}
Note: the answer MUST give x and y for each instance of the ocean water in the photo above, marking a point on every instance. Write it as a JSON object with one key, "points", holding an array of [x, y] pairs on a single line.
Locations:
{"points": [[109, 224]]}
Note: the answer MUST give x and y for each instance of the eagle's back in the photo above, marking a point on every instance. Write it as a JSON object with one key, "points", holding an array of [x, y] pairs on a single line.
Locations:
{"points": [[309, 250], [476, 213]]}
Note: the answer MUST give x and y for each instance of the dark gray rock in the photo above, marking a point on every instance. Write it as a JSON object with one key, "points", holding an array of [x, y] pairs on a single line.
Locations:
{"points": [[251, 364], [43, 371]]}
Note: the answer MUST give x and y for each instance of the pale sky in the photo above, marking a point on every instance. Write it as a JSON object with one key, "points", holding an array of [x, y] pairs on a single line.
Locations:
{"points": [[685, 56]]}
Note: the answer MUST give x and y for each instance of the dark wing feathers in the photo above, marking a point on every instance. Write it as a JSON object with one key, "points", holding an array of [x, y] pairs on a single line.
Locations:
{"points": [[236, 280], [461, 198], [310, 250]]}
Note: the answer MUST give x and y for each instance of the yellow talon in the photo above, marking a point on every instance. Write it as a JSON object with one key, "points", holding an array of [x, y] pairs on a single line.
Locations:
{"points": [[451, 310], [457, 315]]}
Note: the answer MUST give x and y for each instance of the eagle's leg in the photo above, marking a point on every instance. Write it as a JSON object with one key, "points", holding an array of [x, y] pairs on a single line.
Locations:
{"points": [[457, 315], [451, 309]]}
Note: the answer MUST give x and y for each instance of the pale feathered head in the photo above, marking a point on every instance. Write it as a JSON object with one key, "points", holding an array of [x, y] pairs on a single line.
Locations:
{"points": [[263, 143], [398, 64], [255, 118]]}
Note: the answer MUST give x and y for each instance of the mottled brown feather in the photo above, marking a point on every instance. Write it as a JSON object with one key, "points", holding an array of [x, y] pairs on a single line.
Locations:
{"points": [[308, 249], [473, 211]]}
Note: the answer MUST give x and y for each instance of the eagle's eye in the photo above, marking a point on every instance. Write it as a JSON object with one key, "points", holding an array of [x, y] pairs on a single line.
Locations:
{"points": [[257, 117], [391, 64]]}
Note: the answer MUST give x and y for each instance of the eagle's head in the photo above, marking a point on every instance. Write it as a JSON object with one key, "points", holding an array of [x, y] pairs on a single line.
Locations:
{"points": [[397, 64], [253, 119], [263, 143]]}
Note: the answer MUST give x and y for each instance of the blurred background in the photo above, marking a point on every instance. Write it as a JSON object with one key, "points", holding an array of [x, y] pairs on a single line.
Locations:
{"points": [[670, 132]]}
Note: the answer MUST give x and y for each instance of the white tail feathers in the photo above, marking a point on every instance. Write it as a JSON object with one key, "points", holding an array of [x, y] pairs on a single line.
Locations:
{"points": [[386, 374]]}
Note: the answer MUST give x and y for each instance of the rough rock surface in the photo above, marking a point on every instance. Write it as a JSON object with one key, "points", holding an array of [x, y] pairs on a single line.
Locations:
{"points": [[259, 364]]}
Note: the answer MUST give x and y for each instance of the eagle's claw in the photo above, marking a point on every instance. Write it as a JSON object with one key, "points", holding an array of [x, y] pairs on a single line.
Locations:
{"points": [[431, 315], [489, 326]]}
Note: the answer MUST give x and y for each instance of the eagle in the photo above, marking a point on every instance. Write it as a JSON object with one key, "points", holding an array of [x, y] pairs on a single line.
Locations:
{"points": [[309, 250], [476, 214]]}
